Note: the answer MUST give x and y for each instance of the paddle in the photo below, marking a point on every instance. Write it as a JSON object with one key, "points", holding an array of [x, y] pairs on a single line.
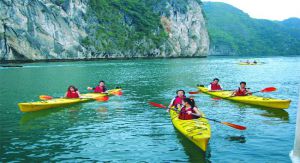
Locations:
{"points": [[268, 89], [116, 93], [101, 99], [225, 123], [192, 93]]}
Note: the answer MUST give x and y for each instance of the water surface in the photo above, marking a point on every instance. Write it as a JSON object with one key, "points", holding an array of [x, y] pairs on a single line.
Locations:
{"points": [[127, 129]]}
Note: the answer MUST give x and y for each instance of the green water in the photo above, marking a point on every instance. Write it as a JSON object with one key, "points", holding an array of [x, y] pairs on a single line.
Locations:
{"points": [[127, 129]]}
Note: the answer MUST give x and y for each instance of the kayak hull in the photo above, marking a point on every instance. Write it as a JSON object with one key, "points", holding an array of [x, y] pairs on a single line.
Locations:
{"points": [[61, 102], [196, 130], [55, 103], [252, 100]]}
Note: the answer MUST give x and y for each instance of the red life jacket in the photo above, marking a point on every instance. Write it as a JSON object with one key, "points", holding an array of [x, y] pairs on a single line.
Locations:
{"points": [[72, 94], [99, 89], [184, 115], [215, 86], [178, 100], [240, 92]]}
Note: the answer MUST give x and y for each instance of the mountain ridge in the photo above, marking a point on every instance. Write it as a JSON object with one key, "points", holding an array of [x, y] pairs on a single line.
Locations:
{"points": [[234, 32]]}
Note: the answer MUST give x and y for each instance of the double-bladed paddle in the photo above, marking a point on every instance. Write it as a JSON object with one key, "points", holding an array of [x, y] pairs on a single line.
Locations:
{"points": [[225, 123]]}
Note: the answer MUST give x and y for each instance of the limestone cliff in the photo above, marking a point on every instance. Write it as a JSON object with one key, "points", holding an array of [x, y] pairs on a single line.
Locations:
{"points": [[73, 29], [188, 35]]}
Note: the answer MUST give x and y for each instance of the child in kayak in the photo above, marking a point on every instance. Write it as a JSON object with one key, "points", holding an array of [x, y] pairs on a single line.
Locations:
{"points": [[242, 90], [189, 110], [178, 100], [72, 92], [99, 88], [215, 86]]}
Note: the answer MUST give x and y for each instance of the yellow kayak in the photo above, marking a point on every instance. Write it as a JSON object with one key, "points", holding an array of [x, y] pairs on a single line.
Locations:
{"points": [[250, 99], [250, 64], [61, 102], [57, 102], [196, 130]]}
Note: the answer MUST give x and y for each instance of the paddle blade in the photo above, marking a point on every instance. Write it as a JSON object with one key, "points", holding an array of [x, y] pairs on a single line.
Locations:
{"points": [[102, 98], [157, 105], [234, 126], [45, 97], [118, 93], [192, 93], [269, 89]]}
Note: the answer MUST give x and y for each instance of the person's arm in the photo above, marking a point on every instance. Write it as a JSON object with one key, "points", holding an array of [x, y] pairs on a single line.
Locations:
{"points": [[233, 93], [78, 94], [249, 92], [106, 90], [90, 88], [198, 114], [66, 95], [221, 87], [209, 87], [171, 103]]}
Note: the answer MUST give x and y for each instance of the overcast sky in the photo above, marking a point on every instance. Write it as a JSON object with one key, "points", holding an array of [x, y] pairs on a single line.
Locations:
{"points": [[267, 9]]}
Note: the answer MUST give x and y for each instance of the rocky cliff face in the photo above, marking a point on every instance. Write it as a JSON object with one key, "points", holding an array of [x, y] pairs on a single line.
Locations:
{"points": [[40, 29], [67, 29], [188, 35]]}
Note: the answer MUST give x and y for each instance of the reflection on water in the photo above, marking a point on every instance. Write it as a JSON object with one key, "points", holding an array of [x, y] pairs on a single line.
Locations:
{"points": [[276, 113], [102, 113], [194, 153], [39, 115], [101, 109], [239, 139]]}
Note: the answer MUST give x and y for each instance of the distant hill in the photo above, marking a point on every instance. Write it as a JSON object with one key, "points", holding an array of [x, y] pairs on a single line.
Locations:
{"points": [[233, 32], [293, 23]]}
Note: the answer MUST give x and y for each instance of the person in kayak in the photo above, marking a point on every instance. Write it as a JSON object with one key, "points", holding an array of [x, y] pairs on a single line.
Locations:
{"points": [[189, 110], [72, 92], [178, 100], [215, 86], [242, 90], [99, 88]]}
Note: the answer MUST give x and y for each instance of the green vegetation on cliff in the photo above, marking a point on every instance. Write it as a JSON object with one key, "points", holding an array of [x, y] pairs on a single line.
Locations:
{"points": [[234, 32], [122, 25]]}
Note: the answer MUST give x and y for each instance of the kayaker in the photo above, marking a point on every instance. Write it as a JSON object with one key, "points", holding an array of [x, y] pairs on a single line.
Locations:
{"points": [[189, 110], [99, 88], [72, 92], [242, 90], [215, 86], [178, 100]]}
